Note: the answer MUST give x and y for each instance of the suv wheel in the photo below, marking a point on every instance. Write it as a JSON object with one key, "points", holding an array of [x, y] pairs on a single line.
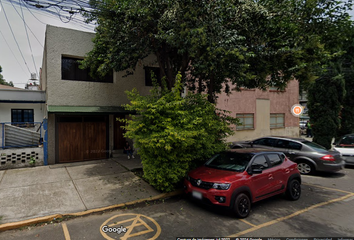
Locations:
{"points": [[293, 190], [305, 168], [242, 206]]}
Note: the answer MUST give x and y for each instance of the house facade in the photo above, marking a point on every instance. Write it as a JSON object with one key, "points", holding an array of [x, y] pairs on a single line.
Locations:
{"points": [[83, 113]]}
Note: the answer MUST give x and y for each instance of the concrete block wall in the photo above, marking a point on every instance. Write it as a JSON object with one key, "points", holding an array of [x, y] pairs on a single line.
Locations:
{"points": [[20, 157]]}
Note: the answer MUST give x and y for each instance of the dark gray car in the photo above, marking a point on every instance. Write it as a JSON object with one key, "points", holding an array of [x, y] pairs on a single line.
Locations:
{"points": [[309, 156]]}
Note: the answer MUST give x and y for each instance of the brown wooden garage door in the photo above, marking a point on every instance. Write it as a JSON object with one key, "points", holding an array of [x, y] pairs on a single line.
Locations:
{"points": [[81, 138]]}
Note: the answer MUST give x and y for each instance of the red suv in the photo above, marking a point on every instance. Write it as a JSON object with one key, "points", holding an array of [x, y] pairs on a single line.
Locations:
{"points": [[238, 177]]}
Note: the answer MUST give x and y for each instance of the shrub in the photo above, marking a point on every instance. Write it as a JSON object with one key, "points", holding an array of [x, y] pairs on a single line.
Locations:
{"points": [[174, 134]]}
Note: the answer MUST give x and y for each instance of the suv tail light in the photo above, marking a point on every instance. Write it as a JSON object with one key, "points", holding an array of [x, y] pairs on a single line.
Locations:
{"points": [[328, 157]]}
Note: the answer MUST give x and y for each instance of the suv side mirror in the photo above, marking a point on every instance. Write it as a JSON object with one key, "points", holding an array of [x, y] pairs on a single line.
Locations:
{"points": [[251, 171], [257, 171]]}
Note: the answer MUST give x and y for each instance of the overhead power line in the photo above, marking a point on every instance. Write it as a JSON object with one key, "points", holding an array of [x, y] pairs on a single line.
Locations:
{"points": [[67, 11], [29, 42], [12, 51], [23, 19], [18, 46]]}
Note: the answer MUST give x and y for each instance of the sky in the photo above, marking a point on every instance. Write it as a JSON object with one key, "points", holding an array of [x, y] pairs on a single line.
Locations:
{"points": [[21, 55], [21, 48]]}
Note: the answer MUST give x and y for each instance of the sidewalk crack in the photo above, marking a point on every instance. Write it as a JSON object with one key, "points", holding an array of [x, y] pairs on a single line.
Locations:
{"points": [[3, 176], [77, 190]]}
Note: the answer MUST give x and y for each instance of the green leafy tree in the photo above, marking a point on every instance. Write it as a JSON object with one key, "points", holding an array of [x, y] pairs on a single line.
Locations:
{"points": [[347, 112], [173, 134], [325, 97], [219, 43], [3, 81], [331, 99]]}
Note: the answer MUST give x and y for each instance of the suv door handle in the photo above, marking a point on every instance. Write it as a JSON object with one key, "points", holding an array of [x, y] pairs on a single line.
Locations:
{"points": [[270, 176], [291, 152]]}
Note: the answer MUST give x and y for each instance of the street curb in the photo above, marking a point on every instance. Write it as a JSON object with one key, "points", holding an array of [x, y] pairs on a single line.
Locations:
{"points": [[14, 225]]}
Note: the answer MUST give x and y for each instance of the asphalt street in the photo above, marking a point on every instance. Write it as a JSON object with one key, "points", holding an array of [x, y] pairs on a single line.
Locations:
{"points": [[325, 209]]}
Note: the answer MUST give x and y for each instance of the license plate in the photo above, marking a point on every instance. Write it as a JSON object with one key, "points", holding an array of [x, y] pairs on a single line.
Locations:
{"points": [[197, 195]]}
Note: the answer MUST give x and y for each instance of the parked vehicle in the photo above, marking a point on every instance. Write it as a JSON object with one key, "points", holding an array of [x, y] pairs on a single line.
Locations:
{"points": [[345, 146], [309, 156], [239, 177], [302, 125]]}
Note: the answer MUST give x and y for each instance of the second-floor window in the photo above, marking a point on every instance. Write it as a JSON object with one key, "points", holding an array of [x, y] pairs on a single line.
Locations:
{"points": [[70, 71]]}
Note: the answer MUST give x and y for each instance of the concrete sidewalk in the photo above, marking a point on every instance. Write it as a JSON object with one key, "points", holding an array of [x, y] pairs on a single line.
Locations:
{"points": [[29, 193]]}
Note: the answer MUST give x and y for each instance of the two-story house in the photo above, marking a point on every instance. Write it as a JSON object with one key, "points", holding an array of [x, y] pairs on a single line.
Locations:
{"points": [[83, 113]]}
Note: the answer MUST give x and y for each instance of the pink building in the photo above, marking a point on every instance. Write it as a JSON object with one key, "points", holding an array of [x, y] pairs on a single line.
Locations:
{"points": [[262, 113]]}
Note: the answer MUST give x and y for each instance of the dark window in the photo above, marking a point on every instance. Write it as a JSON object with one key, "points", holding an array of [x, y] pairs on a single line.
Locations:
{"points": [[274, 159], [282, 144], [152, 70], [22, 115], [265, 141], [295, 146], [260, 162], [70, 71]]}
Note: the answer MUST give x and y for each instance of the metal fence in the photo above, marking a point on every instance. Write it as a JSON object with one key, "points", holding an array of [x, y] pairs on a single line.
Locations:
{"points": [[20, 134]]}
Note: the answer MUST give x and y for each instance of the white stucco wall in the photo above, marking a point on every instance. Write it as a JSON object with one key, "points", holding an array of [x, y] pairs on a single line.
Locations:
{"points": [[67, 42], [5, 110]]}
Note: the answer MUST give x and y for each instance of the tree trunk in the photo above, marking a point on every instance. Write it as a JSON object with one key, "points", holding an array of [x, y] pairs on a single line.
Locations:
{"points": [[211, 90]]}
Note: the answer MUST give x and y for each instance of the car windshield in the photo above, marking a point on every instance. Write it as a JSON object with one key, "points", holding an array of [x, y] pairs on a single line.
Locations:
{"points": [[347, 141], [230, 161], [315, 146]]}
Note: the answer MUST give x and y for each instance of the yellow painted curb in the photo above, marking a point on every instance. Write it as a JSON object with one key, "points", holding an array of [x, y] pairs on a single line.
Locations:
{"points": [[14, 225], [8, 226]]}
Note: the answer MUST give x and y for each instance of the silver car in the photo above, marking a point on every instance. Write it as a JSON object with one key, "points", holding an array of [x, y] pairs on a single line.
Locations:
{"points": [[345, 146], [309, 156]]}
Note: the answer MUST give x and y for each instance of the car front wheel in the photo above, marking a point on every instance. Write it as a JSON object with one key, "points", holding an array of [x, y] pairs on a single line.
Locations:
{"points": [[305, 168], [293, 191], [242, 206]]}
